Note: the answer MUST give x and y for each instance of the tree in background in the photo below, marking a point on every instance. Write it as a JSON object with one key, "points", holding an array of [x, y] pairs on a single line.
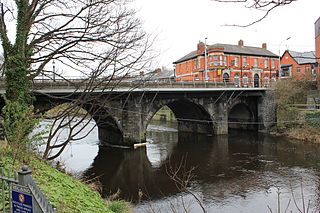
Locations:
{"points": [[89, 38], [264, 5]]}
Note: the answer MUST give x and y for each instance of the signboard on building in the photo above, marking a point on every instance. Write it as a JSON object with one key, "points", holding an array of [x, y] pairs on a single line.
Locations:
{"points": [[21, 199]]}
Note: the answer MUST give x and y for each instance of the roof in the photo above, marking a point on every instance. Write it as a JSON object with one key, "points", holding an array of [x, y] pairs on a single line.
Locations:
{"points": [[286, 65], [165, 74], [303, 57], [232, 49]]}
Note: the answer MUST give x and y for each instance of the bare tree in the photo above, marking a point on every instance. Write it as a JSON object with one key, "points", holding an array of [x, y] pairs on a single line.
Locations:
{"points": [[264, 5], [95, 39]]}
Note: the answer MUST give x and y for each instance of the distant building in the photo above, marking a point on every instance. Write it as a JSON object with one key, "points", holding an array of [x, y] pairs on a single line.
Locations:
{"points": [[164, 114], [298, 65], [161, 75], [238, 64]]}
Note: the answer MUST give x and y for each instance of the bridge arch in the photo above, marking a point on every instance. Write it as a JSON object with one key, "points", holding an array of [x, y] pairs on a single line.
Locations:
{"points": [[241, 116], [191, 116]]}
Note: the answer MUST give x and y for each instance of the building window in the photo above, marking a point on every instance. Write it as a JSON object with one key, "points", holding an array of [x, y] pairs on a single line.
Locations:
{"points": [[237, 80], [273, 64], [285, 72], [265, 63], [187, 67], [221, 60], [245, 80], [198, 63], [195, 65], [299, 69], [308, 69], [236, 61], [245, 61], [266, 80], [215, 60], [255, 63], [225, 61]]}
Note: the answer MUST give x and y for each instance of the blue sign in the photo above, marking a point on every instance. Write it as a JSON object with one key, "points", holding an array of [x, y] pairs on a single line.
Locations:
{"points": [[21, 199]]}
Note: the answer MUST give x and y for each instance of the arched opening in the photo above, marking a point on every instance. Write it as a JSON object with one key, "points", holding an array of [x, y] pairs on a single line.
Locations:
{"points": [[256, 80], [69, 135], [241, 117], [167, 124], [237, 80], [226, 77]]}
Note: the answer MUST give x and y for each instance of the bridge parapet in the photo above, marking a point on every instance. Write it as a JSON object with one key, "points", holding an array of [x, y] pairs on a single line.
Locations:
{"points": [[101, 83]]}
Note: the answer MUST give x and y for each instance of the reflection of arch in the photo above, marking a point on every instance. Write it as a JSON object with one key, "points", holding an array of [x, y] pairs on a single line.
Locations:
{"points": [[226, 77], [191, 116], [256, 80], [240, 117]]}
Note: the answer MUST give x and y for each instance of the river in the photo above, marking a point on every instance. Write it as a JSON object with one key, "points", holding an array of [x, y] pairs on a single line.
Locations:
{"points": [[241, 172]]}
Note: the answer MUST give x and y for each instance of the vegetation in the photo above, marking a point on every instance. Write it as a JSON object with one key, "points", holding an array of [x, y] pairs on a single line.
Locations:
{"points": [[64, 192], [265, 6], [313, 119], [91, 39], [292, 121]]}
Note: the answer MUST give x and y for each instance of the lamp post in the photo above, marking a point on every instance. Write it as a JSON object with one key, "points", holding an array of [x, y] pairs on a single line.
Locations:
{"points": [[279, 65], [54, 70], [205, 60]]}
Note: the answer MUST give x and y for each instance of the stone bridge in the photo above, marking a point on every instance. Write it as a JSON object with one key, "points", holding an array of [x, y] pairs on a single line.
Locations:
{"points": [[122, 116]]}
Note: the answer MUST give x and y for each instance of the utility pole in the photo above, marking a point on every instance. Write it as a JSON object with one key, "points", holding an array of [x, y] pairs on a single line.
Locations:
{"points": [[205, 60]]}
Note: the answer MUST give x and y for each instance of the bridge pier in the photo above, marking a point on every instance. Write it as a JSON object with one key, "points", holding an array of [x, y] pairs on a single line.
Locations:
{"points": [[221, 119], [200, 127]]}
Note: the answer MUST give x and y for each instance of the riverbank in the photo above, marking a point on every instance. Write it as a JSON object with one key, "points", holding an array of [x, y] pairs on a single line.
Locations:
{"points": [[66, 193], [303, 133], [298, 124]]}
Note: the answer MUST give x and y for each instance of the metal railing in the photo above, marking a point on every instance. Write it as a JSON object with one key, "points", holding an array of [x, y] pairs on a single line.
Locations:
{"points": [[7, 178], [140, 82], [22, 180], [307, 107]]}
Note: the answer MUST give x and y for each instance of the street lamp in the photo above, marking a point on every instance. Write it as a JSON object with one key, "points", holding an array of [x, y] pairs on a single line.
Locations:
{"points": [[279, 65], [54, 70], [205, 60]]}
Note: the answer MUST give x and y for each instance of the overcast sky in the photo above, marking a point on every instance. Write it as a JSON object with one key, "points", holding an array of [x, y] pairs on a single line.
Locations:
{"points": [[181, 24]]}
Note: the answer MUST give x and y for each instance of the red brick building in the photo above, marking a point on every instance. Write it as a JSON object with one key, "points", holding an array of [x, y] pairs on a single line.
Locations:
{"points": [[317, 41], [237, 64], [298, 65]]}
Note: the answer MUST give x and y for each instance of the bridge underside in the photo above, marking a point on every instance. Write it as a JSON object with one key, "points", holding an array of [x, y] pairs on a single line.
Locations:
{"points": [[191, 117], [241, 117]]}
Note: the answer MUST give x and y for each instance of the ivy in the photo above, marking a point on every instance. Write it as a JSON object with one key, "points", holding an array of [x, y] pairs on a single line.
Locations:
{"points": [[19, 121]]}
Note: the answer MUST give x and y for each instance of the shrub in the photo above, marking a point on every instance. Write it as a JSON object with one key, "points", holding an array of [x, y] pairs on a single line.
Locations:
{"points": [[313, 118]]}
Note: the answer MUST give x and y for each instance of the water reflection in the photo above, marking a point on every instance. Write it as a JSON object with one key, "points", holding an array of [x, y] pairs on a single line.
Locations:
{"points": [[235, 173]]}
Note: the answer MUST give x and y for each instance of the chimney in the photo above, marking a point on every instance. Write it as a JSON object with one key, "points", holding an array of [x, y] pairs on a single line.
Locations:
{"points": [[240, 42], [158, 70], [264, 45], [200, 47], [141, 73]]}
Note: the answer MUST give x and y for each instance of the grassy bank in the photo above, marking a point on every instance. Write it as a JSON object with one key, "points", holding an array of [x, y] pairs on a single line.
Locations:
{"points": [[67, 194], [297, 124]]}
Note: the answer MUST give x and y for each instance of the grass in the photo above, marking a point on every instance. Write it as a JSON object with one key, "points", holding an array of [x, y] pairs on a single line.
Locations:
{"points": [[66, 193]]}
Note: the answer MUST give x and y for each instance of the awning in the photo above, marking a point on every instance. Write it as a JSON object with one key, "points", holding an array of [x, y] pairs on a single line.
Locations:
{"points": [[285, 65]]}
